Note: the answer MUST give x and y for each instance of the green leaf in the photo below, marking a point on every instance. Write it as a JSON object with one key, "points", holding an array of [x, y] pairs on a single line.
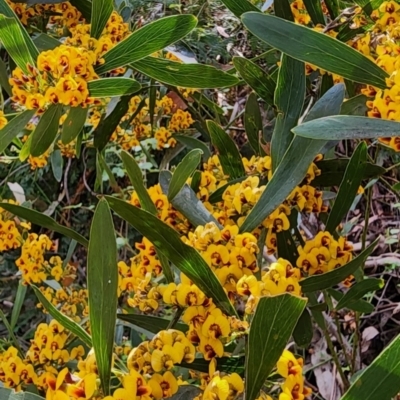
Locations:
{"points": [[14, 127], [74, 124], [343, 127], [289, 173], [332, 278], [193, 143], [195, 182], [287, 248], [112, 87], [168, 241], [238, 7], [102, 282], [101, 12], [332, 172], [261, 82], [282, 10], [359, 290], [7, 11], [303, 332], [65, 321], [136, 177], [253, 124], [355, 106], [150, 323], [18, 303], [15, 43], [183, 172], [4, 82], [333, 8], [25, 149], [348, 188], [294, 165], [229, 155], [45, 42], [147, 40], [43, 220], [109, 123], [315, 48], [57, 165], [314, 8], [381, 379], [187, 203], [329, 104], [46, 130], [85, 7], [216, 196], [11, 394], [224, 364], [289, 97], [274, 321], [196, 76]]}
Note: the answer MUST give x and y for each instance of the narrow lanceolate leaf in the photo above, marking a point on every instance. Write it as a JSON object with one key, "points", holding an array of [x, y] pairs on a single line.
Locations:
{"points": [[65, 321], [238, 7], [46, 130], [150, 323], [112, 87], [314, 9], [168, 241], [187, 203], [136, 177], [348, 188], [44, 221], [329, 104], [253, 124], [74, 124], [197, 76], [4, 79], [183, 172], [18, 303], [381, 379], [14, 127], [85, 7], [260, 81], [193, 143], [359, 290], [7, 11], [45, 42], [290, 172], [102, 281], [315, 48], [273, 323], [147, 40], [332, 172], [289, 98], [101, 12], [282, 10], [303, 332], [332, 278], [109, 123], [343, 127], [57, 164], [15, 43], [357, 105], [295, 163], [228, 153]]}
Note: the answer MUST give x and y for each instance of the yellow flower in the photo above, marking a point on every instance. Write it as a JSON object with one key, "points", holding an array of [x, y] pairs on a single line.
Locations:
{"points": [[211, 347], [163, 386], [216, 325], [289, 365], [3, 120], [217, 389], [167, 357]]}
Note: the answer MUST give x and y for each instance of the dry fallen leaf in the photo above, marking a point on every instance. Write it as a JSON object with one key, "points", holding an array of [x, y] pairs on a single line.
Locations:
{"points": [[368, 334]]}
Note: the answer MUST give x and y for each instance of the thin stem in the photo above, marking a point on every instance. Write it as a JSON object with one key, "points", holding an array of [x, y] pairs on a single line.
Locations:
{"points": [[175, 320]]}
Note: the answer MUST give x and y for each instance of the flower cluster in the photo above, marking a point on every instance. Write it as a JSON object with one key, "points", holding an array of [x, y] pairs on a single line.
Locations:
{"points": [[291, 368], [323, 254]]}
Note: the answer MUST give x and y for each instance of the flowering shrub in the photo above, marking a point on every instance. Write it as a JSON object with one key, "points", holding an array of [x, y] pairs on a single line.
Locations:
{"points": [[221, 277]]}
